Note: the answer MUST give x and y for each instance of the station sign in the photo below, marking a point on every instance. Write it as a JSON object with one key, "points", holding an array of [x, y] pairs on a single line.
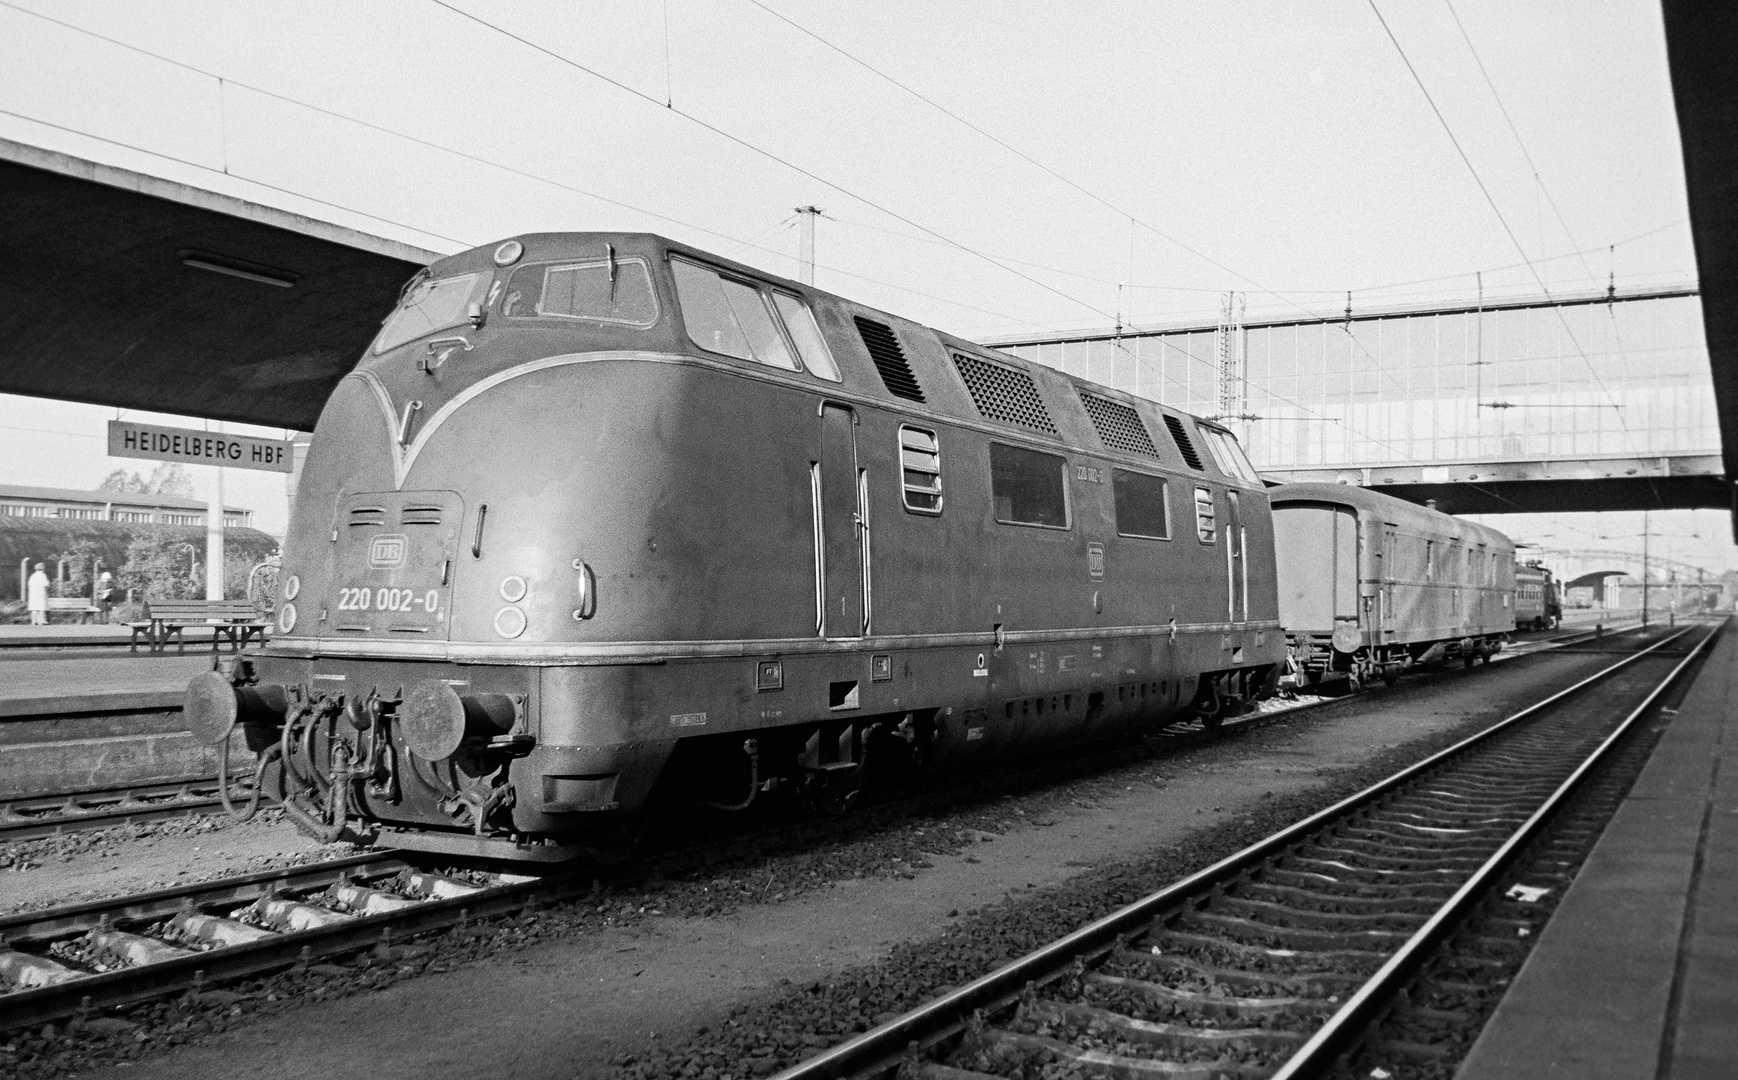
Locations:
{"points": [[192, 447]]}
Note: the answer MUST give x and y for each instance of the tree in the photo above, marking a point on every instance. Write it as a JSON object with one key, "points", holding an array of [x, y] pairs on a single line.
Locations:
{"points": [[161, 566], [124, 482], [169, 478]]}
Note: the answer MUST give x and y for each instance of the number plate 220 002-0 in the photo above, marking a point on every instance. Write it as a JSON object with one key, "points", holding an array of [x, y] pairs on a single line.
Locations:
{"points": [[389, 598]]}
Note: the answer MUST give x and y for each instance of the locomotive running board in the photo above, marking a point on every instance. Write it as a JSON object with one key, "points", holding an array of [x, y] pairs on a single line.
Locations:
{"points": [[478, 847]]}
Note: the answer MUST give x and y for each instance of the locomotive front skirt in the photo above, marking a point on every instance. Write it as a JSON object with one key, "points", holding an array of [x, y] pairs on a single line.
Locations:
{"points": [[602, 521]]}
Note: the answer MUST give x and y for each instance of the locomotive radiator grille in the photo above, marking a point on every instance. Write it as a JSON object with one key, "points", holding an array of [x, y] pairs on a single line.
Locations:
{"points": [[1119, 427], [1004, 394]]}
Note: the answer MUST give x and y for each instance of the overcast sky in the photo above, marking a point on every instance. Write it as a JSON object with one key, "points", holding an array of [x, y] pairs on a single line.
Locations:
{"points": [[1282, 150]]}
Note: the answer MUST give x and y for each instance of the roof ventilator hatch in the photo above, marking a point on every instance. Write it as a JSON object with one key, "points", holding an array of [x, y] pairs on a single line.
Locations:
{"points": [[1180, 435]]}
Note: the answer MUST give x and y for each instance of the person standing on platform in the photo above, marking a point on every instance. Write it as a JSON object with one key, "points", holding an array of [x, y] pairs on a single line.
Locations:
{"points": [[38, 592], [105, 595]]}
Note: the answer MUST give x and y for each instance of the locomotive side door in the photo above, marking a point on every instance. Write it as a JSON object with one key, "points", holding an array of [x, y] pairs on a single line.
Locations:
{"points": [[841, 527], [1236, 567]]}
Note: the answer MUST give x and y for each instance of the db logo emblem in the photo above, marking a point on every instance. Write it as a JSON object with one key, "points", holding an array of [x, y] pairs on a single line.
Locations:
{"points": [[1095, 561], [387, 551]]}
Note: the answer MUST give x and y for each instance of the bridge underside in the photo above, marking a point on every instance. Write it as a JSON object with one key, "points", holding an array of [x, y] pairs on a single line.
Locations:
{"points": [[1702, 47], [127, 290], [1676, 482]]}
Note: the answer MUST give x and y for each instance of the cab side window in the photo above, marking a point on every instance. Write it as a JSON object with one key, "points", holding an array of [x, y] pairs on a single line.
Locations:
{"points": [[729, 316], [741, 318]]}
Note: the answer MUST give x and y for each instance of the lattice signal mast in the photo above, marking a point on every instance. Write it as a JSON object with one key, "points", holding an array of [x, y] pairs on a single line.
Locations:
{"points": [[1232, 404]]}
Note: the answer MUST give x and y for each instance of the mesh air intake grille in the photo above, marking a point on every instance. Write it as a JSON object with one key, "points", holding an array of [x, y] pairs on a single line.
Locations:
{"points": [[1180, 435], [889, 359], [1119, 427], [1004, 394]]}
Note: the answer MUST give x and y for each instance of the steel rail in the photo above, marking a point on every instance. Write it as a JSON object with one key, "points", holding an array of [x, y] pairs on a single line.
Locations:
{"points": [[1322, 1048], [131, 985], [882, 1048], [128, 986], [29, 817]]}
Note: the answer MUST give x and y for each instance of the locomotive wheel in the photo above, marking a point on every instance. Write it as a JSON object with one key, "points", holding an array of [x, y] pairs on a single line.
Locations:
{"points": [[831, 794], [619, 841]]}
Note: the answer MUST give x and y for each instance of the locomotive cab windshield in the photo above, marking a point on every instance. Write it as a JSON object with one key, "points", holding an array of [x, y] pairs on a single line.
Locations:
{"points": [[430, 305]]}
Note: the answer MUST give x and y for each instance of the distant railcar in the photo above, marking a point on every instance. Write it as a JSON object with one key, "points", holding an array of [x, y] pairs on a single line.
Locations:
{"points": [[1537, 603], [1370, 585], [603, 520]]}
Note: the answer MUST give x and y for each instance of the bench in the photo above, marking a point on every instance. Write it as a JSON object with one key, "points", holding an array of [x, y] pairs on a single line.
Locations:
{"points": [[236, 620], [87, 611]]}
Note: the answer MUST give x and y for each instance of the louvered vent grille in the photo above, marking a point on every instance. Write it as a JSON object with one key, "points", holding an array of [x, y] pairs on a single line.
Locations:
{"points": [[1004, 394], [368, 515], [420, 515], [1180, 435], [1119, 426], [889, 359]]}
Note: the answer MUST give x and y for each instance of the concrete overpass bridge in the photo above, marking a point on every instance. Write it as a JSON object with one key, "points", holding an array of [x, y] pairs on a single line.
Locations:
{"points": [[1590, 401]]}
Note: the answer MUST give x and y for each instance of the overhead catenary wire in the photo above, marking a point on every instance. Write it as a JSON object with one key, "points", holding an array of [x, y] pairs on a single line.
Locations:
{"points": [[1516, 132], [755, 148], [457, 242], [1520, 249], [535, 177]]}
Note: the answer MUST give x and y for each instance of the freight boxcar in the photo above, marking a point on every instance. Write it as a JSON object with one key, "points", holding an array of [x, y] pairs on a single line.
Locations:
{"points": [[1370, 585], [603, 521]]}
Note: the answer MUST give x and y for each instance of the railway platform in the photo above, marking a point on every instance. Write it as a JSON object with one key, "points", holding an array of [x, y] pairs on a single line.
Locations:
{"points": [[86, 723], [18, 640], [1636, 974]]}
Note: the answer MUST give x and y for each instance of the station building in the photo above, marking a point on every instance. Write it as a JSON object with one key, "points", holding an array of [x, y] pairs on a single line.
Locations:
{"points": [[128, 507]]}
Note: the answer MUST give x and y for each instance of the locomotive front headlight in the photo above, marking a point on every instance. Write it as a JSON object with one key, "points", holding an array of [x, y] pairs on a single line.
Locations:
{"points": [[292, 586], [286, 618], [509, 622]]}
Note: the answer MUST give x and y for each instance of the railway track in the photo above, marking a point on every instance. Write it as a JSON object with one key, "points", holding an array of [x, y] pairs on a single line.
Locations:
{"points": [[27, 817], [1278, 959], [86, 958], [111, 954]]}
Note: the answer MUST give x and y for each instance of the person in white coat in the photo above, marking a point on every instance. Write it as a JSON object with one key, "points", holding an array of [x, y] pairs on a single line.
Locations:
{"points": [[38, 591]]}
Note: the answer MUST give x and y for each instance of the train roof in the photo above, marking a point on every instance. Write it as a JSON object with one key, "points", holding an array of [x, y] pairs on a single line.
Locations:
{"points": [[944, 383], [1387, 507]]}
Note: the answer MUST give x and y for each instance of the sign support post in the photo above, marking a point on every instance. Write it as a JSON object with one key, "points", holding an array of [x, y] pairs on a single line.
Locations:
{"points": [[214, 540]]}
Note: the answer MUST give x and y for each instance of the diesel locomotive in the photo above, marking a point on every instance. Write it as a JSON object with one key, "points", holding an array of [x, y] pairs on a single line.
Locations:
{"points": [[1370, 585], [602, 521]]}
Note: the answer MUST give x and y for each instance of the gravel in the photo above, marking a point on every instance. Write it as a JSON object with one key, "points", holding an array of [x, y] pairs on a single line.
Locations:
{"points": [[760, 1038]]}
